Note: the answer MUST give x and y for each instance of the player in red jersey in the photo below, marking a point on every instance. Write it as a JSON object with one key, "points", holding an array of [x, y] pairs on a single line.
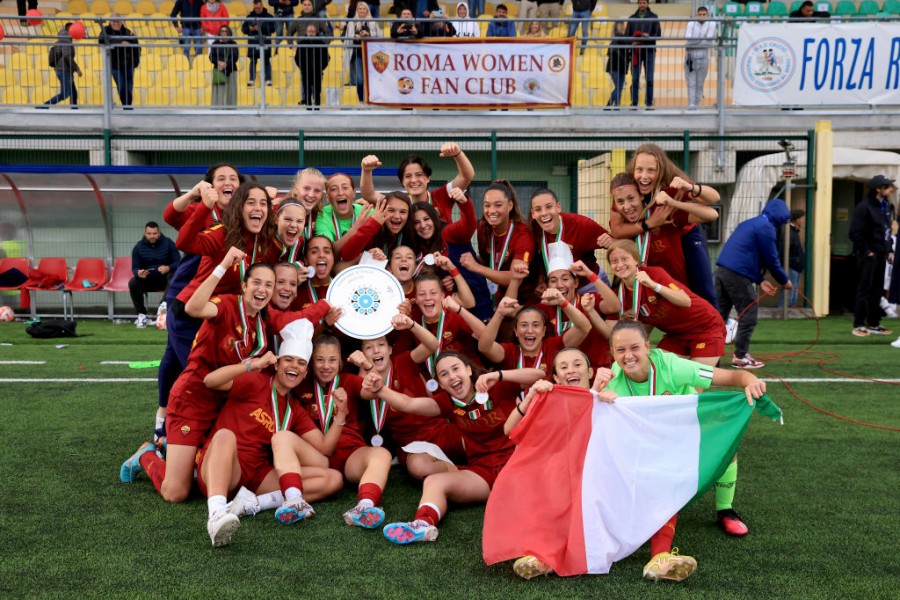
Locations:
{"points": [[319, 256], [693, 328], [550, 224], [414, 174], [309, 188], [233, 331], [533, 349], [248, 224], [290, 218], [360, 463], [504, 239], [263, 439], [478, 406]]}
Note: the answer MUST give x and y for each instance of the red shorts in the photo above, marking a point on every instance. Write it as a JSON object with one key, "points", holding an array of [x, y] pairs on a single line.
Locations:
{"points": [[181, 431], [706, 345], [346, 446], [254, 469], [489, 474]]}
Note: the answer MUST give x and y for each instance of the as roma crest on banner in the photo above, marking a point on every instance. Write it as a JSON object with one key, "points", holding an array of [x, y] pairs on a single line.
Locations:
{"points": [[380, 61]]}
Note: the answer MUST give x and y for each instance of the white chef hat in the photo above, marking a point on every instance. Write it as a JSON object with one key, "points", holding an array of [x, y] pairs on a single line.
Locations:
{"points": [[559, 257], [366, 258], [297, 336]]}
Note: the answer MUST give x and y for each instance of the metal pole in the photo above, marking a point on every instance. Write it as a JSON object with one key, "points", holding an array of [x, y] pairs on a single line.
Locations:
{"points": [[493, 155], [107, 88], [786, 247]]}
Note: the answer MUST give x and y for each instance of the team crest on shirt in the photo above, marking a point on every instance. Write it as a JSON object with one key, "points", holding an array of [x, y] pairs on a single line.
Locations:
{"points": [[185, 430], [239, 329], [448, 335], [666, 393], [216, 300], [542, 366]]}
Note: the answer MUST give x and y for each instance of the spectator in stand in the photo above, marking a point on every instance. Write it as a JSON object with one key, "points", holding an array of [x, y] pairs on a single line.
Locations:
{"points": [[644, 29], [213, 9], [422, 9], [581, 14], [259, 26], [62, 61], [476, 8], [437, 26], [405, 27], [807, 12], [374, 8], [189, 26], [124, 56], [223, 54], [312, 59], [284, 12], [153, 262], [359, 28], [534, 29], [500, 25], [618, 60], [700, 35], [465, 26], [528, 9], [796, 256], [549, 9], [297, 28]]}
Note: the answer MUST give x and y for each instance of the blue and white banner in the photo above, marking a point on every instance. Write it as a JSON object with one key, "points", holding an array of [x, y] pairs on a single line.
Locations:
{"points": [[811, 64], [461, 73]]}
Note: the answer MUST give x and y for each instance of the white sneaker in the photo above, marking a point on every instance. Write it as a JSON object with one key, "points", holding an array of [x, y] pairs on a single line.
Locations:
{"points": [[245, 504], [730, 330], [221, 527], [141, 322], [407, 533], [294, 511], [161, 309], [896, 343]]}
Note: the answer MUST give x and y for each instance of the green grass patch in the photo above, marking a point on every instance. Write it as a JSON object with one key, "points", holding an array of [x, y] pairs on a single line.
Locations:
{"points": [[819, 495]]}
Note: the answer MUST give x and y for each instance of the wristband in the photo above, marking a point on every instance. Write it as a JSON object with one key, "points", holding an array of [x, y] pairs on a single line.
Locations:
{"points": [[459, 310], [247, 365], [519, 408], [658, 288], [501, 375], [593, 277], [699, 190], [219, 272], [565, 303], [454, 272]]}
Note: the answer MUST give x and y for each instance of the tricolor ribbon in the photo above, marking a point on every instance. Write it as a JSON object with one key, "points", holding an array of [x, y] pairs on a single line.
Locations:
{"points": [[325, 403], [275, 411], [245, 325]]}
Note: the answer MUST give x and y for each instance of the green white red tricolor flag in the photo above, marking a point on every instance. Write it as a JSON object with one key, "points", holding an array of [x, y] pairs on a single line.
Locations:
{"points": [[590, 482]]}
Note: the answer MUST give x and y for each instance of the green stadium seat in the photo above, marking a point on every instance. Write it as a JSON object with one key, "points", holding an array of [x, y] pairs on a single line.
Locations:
{"points": [[732, 10], [754, 9], [779, 9], [795, 5], [868, 8], [891, 7], [845, 8], [824, 6]]}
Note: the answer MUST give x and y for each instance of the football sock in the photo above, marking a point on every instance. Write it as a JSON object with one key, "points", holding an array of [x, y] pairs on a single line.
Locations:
{"points": [[216, 504], [661, 541], [270, 501], [370, 492], [725, 487], [429, 513], [155, 467], [291, 486]]}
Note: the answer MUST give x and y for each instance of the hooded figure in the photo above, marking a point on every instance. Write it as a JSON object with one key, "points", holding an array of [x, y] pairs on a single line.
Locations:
{"points": [[465, 26]]}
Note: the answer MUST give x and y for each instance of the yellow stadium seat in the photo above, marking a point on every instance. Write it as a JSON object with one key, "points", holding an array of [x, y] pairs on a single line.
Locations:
{"points": [[246, 96], [21, 61], [157, 96], [145, 8], [283, 62], [197, 78], [186, 98], [333, 11], [123, 7], [19, 95], [151, 62], [101, 7], [166, 6], [237, 9], [179, 62], [76, 7], [348, 96], [292, 96], [143, 78], [7, 78]]}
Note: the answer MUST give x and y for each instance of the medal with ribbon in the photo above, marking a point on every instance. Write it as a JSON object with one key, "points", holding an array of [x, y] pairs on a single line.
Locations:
{"points": [[651, 378], [245, 328], [563, 326], [325, 403], [337, 225], [545, 250], [432, 385], [243, 265], [635, 298], [379, 410], [520, 364], [275, 412]]}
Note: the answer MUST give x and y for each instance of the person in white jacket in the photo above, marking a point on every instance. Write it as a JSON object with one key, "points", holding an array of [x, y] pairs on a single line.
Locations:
{"points": [[700, 37], [465, 27], [358, 28]]}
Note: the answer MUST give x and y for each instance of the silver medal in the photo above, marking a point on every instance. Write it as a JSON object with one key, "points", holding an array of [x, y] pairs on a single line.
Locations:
{"points": [[481, 397], [311, 271], [492, 288], [429, 259], [431, 385], [377, 441]]}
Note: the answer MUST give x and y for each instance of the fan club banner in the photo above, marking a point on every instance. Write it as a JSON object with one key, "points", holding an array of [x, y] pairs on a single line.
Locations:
{"points": [[450, 73], [812, 64]]}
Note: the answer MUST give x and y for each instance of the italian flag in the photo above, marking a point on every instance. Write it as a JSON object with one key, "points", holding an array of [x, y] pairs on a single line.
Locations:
{"points": [[590, 482]]}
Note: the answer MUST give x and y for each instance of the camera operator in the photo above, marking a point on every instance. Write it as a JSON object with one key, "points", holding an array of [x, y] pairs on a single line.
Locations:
{"points": [[405, 27]]}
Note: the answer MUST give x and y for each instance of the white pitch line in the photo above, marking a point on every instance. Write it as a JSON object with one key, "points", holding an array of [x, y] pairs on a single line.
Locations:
{"points": [[829, 380], [84, 380], [116, 362], [23, 362]]}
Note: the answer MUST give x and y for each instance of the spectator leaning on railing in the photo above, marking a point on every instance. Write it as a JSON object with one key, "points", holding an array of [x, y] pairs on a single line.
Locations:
{"points": [[189, 26], [124, 56], [500, 25], [259, 26]]}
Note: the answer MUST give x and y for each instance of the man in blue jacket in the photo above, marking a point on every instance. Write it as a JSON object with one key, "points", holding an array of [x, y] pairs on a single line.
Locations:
{"points": [[500, 25], [153, 262], [746, 256]]}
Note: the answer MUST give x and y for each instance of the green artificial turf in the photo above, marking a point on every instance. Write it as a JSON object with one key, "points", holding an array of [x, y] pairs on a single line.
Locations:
{"points": [[819, 495]]}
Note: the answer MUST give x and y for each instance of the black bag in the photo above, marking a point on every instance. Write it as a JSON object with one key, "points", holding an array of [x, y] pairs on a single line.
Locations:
{"points": [[52, 329]]}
